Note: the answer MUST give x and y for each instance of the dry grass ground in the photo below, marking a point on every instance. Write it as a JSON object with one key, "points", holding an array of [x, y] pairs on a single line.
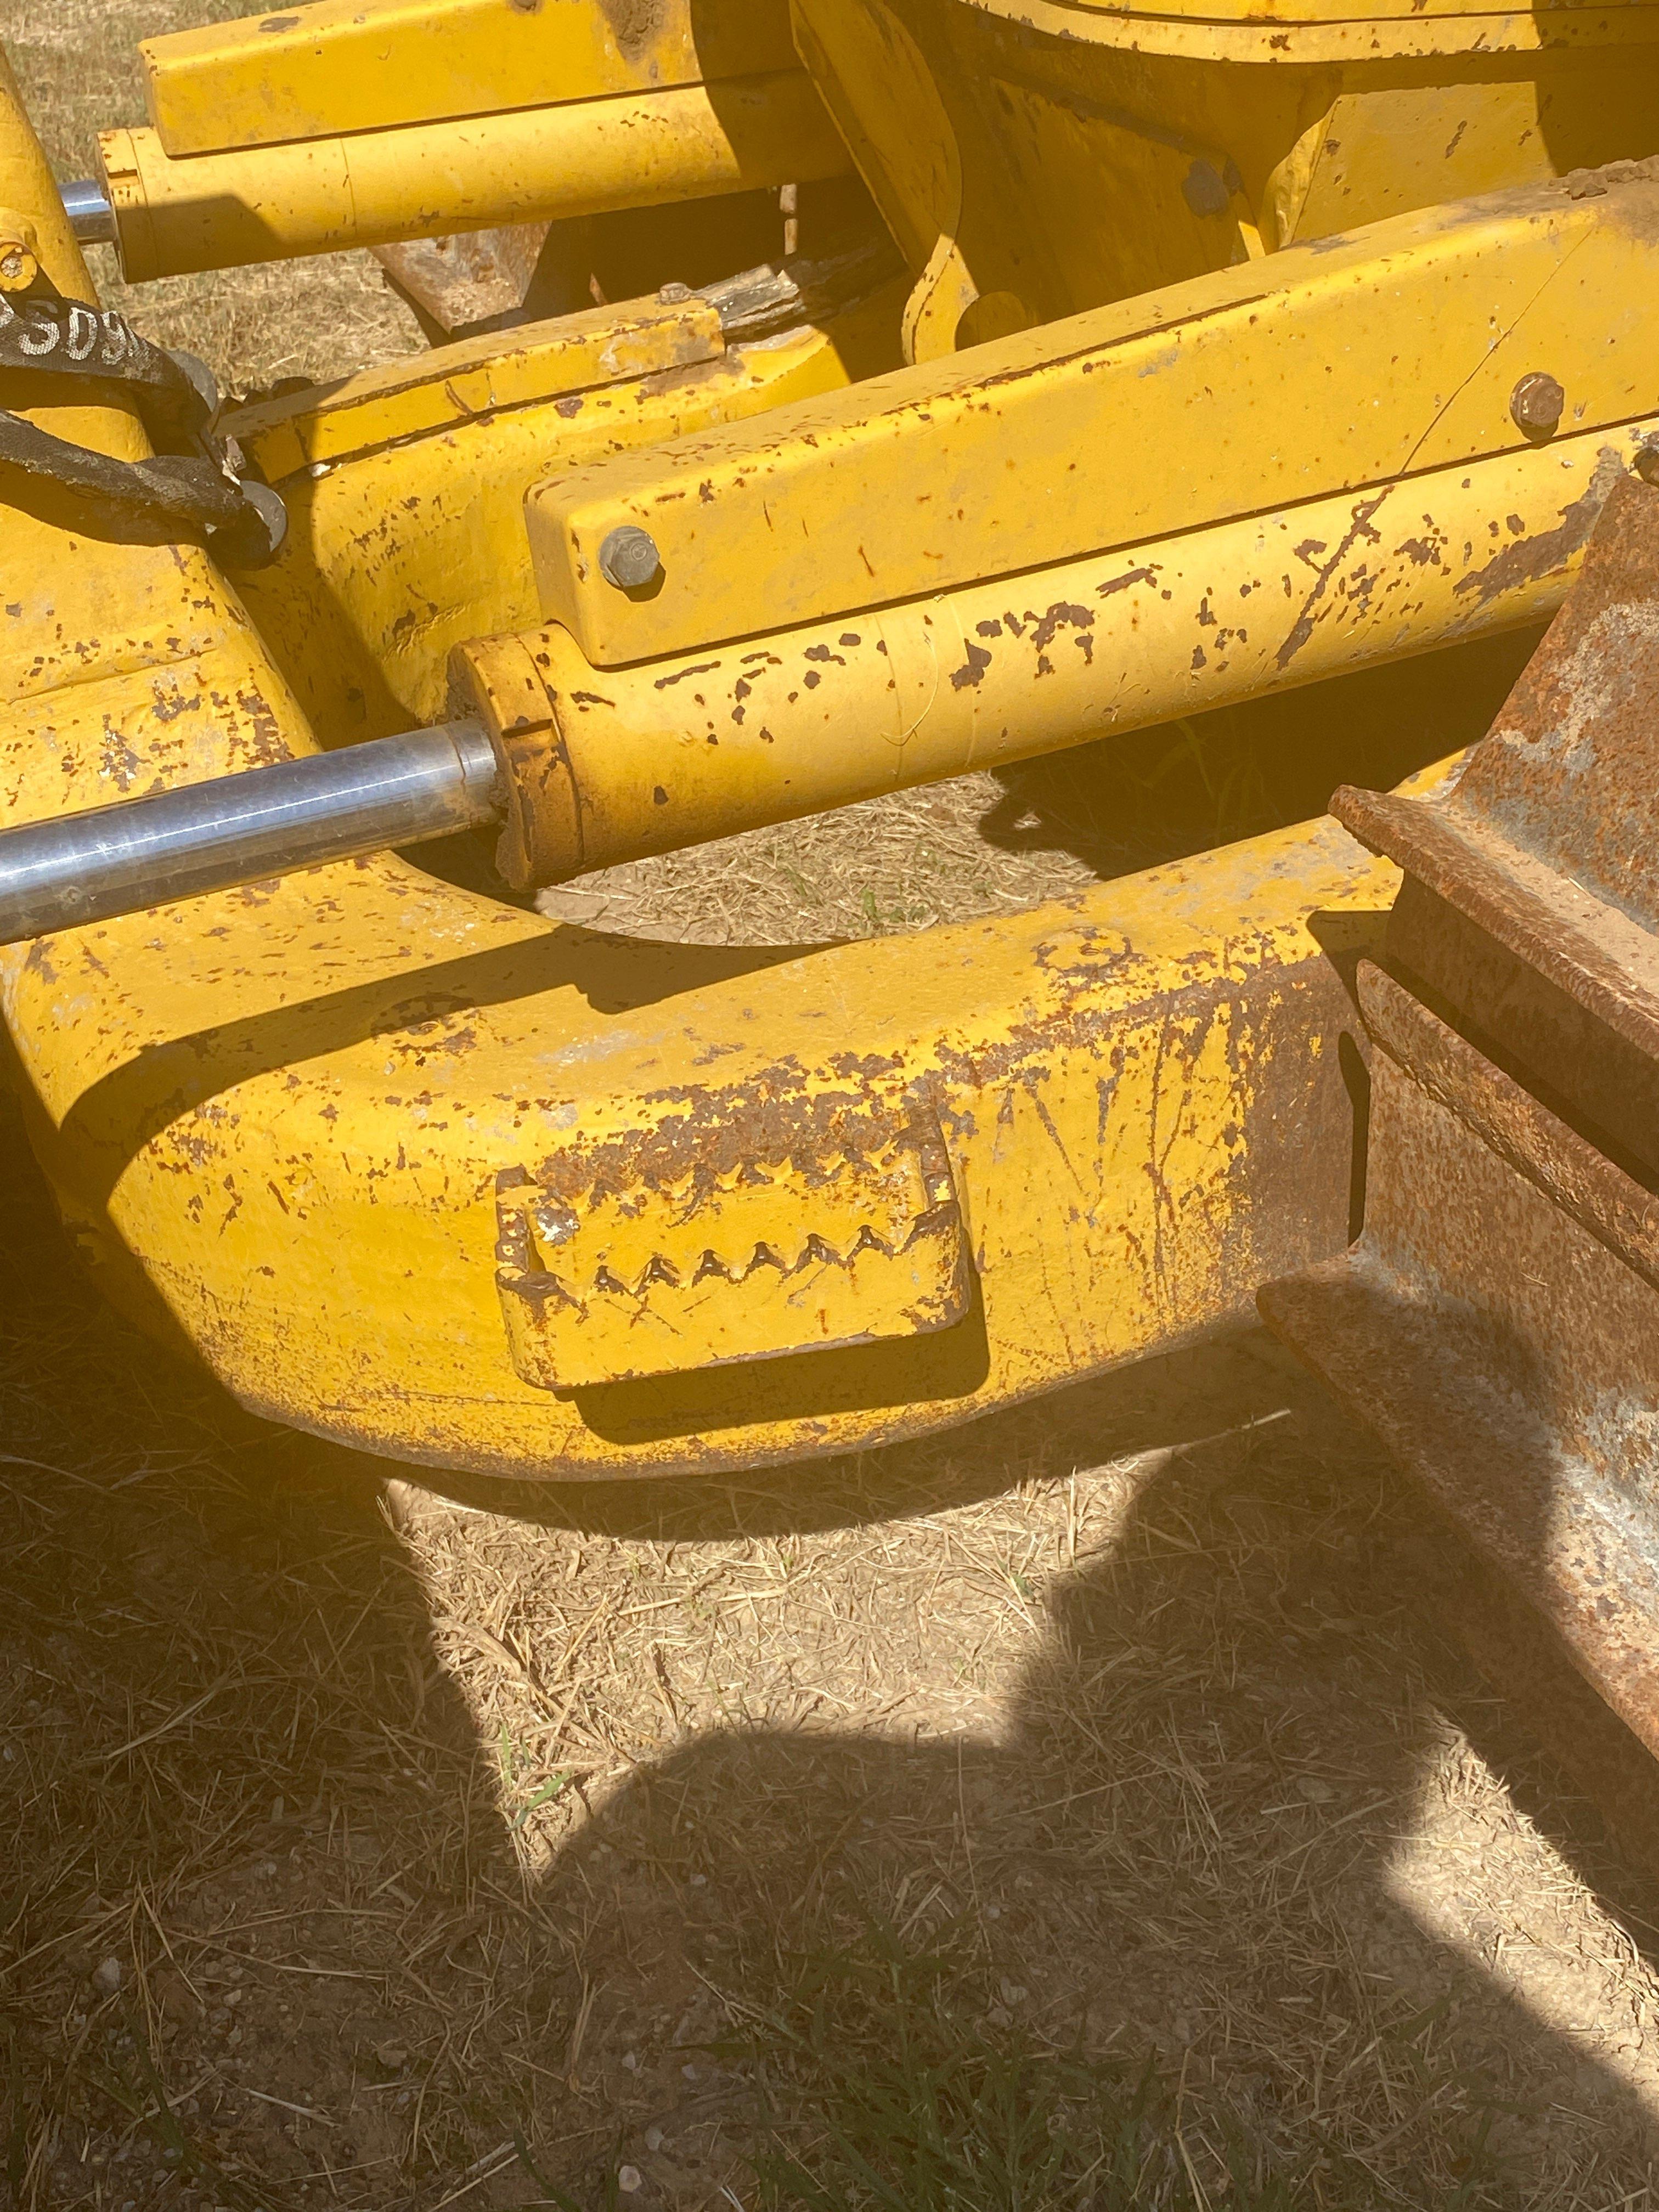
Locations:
{"points": [[78, 62], [1075, 1812], [1078, 1811]]}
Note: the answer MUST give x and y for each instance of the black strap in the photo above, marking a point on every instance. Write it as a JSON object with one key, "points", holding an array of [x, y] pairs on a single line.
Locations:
{"points": [[191, 488], [192, 494], [68, 340]]}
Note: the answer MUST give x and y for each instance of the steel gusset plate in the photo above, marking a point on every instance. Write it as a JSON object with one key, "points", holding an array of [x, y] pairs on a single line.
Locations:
{"points": [[1497, 1324]]}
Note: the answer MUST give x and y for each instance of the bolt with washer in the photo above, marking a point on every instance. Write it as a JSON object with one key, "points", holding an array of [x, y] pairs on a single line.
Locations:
{"points": [[20, 263], [628, 558], [1537, 404]]}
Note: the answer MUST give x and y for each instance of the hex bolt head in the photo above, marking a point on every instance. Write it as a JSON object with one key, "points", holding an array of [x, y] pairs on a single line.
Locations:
{"points": [[1537, 403], [628, 558], [20, 252]]}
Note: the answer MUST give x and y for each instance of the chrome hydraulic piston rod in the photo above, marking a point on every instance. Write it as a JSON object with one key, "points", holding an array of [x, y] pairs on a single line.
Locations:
{"points": [[91, 217], [245, 829]]}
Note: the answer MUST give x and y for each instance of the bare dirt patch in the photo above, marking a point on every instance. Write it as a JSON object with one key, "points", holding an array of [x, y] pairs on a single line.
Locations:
{"points": [[1078, 1811]]}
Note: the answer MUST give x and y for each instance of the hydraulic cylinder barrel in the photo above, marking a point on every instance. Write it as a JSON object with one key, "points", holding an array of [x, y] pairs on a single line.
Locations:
{"points": [[243, 829], [223, 210], [610, 764]]}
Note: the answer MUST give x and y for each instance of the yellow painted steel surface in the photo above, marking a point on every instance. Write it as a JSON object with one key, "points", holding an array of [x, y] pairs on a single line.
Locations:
{"points": [[860, 1242], [1007, 145], [318, 195], [1279, 30], [281, 1122], [335, 66], [1383, 357], [451, 386], [442, 1179], [612, 764], [1001, 142], [405, 484], [29, 195], [291, 1109]]}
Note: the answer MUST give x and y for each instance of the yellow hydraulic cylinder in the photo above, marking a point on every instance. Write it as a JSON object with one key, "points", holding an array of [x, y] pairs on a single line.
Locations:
{"points": [[1401, 349], [222, 211], [608, 765]]}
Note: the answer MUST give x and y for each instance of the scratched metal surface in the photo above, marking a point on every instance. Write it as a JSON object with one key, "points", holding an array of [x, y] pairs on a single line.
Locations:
{"points": [[1498, 1323]]}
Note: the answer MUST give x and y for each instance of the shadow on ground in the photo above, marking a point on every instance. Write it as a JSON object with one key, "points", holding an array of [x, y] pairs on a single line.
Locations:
{"points": [[269, 1936], [1147, 796]]}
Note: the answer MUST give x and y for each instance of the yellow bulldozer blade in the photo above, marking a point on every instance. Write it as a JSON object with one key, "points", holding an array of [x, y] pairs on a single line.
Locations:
{"points": [[333, 1131]]}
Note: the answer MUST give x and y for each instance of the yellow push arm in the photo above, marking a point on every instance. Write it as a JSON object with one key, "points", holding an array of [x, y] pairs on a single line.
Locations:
{"points": [[1347, 364], [339, 66]]}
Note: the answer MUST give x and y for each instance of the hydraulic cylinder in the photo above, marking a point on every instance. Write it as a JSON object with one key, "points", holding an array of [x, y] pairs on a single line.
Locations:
{"points": [[74, 869], [586, 767], [610, 764], [223, 210]]}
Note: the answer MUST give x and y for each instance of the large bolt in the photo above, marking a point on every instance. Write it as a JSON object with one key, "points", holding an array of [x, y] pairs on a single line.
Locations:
{"points": [[18, 263], [628, 558], [1537, 403]]}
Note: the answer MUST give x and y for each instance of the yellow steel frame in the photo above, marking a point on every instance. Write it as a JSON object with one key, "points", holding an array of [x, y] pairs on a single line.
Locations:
{"points": [[610, 765], [1386, 356], [1033, 162], [291, 1127], [364, 122], [440, 1178], [1213, 30], [320, 194], [861, 591], [427, 461], [1002, 143], [333, 68]]}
